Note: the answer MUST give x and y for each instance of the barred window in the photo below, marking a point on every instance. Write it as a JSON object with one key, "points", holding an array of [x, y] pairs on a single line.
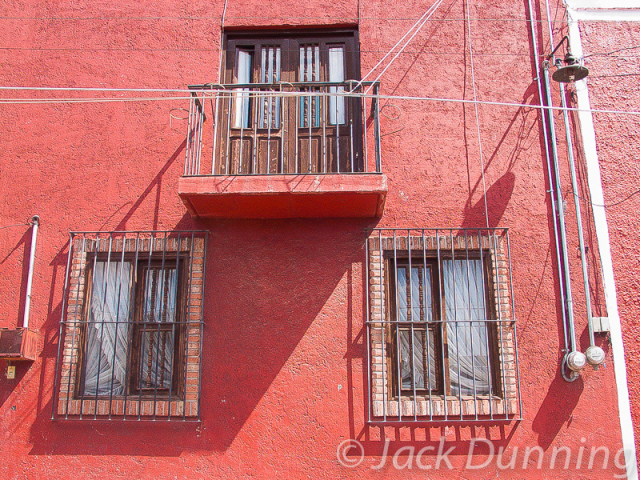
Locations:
{"points": [[441, 331], [132, 328]]}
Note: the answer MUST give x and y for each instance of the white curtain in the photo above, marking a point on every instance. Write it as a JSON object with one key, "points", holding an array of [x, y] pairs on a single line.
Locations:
{"points": [[336, 74], [269, 109], [467, 334], [158, 339], [423, 342], [108, 329], [309, 72], [242, 98]]}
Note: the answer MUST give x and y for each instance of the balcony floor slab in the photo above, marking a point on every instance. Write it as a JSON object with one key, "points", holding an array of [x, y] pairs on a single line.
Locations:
{"points": [[285, 196]]}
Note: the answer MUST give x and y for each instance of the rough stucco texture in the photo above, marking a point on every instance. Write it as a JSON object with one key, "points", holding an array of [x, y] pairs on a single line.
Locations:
{"points": [[613, 60], [284, 354]]}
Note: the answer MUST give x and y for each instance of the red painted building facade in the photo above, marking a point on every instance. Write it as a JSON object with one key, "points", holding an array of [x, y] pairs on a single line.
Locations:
{"points": [[293, 255]]}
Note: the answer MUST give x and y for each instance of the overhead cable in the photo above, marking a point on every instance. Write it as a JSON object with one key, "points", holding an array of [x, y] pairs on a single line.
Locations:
{"points": [[303, 94], [475, 104], [427, 15]]}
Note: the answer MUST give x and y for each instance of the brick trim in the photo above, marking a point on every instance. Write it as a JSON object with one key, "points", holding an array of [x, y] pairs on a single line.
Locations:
{"points": [[384, 400], [182, 404]]}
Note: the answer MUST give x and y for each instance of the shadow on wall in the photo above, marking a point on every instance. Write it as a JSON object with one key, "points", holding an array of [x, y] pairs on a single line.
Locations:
{"points": [[7, 387], [266, 283], [562, 398], [498, 196], [556, 409]]}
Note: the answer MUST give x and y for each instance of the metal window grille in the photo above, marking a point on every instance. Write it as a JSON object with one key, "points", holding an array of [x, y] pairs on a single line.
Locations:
{"points": [[441, 328], [131, 326]]}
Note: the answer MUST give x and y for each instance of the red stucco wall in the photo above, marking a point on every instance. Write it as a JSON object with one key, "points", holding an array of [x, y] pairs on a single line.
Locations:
{"points": [[284, 358]]}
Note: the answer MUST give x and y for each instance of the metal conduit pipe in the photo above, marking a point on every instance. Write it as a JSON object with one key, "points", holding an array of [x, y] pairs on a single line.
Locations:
{"points": [[594, 355], [35, 221], [574, 359], [543, 117], [574, 187]]}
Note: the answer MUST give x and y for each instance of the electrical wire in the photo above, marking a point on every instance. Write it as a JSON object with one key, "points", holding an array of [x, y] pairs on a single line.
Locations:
{"points": [[616, 75], [415, 25], [15, 225], [430, 13], [97, 89], [262, 17], [606, 205], [228, 93], [612, 51], [475, 98], [35, 101], [358, 52]]}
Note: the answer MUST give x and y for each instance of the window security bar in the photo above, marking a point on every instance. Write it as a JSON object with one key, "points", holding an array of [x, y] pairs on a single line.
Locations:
{"points": [[441, 328], [131, 326], [286, 128]]}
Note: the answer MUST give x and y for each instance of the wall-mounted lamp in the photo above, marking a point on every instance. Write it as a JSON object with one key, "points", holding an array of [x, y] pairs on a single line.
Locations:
{"points": [[572, 71]]}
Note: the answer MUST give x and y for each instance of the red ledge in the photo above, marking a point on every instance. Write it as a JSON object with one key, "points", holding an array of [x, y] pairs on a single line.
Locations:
{"points": [[285, 196]]}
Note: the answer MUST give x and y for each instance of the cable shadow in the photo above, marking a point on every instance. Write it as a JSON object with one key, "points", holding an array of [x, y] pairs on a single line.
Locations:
{"points": [[155, 182]]}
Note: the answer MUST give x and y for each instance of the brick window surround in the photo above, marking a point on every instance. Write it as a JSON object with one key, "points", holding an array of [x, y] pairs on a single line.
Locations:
{"points": [[148, 363], [438, 398]]}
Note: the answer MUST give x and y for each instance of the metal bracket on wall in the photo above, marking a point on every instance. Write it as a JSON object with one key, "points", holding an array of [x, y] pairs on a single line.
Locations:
{"points": [[600, 324]]}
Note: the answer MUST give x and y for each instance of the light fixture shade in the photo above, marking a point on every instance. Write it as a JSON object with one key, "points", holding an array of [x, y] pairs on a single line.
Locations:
{"points": [[571, 72]]}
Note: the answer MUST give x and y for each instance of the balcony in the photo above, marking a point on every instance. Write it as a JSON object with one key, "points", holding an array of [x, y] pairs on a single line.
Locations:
{"points": [[286, 150]]}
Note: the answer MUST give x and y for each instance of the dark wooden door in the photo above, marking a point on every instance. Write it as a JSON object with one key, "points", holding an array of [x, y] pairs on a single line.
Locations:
{"points": [[269, 125]]}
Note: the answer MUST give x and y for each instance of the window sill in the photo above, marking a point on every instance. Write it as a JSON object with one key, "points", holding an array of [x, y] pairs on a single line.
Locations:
{"points": [[423, 406], [127, 408]]}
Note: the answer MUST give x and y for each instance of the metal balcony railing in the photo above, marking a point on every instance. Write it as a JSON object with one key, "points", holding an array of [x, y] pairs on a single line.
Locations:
{"points": [[284, 128]]}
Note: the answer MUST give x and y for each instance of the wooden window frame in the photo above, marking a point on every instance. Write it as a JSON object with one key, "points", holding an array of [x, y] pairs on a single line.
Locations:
{"points": [[288, 147], [439, 315]]}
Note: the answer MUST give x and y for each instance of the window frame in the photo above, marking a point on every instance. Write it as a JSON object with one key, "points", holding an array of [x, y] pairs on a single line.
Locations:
{"points": [[283, 144], [183, 252], [232, 39], [388, 249]]}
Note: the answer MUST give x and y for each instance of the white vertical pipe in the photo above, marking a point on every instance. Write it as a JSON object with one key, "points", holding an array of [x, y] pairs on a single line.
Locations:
{"points": [[35, 221], [606, 260]]}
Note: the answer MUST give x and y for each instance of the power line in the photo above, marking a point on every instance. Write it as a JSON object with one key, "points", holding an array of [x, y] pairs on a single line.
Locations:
{"points": [[109, 49], [31, 101], [606, 205], [616, 75], [262, 17], [475, 98], [14, 225], [229, 93], [612, 51], [405, 52], [417, 26]]}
